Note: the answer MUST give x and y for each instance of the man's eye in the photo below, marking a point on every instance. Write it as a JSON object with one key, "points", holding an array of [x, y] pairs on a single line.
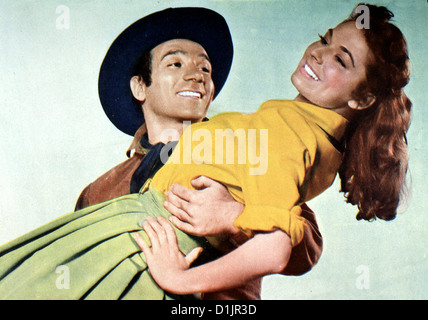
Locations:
{"points": [[323, 40], [206, 70], [175, 64]]}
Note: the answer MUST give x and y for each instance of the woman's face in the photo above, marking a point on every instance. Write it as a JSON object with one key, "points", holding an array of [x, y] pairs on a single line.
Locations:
{"points": [[332, 68]]}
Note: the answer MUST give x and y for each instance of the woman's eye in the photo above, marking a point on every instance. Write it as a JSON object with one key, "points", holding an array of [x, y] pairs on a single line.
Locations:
{"points": [[323, 40], [341, 62]]}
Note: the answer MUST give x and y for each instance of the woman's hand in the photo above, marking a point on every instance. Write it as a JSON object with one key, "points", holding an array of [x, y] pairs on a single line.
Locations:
{"points": [[170, 268], [207, 211], [167, 264]]}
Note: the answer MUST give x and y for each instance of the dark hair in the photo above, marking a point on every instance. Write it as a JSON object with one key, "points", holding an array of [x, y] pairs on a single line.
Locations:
{"points": [[143, 70], [376, 158], [143, 67]]}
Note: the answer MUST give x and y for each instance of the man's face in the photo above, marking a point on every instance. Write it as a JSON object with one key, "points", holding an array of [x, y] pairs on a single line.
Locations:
{"points": [[182, 87]]}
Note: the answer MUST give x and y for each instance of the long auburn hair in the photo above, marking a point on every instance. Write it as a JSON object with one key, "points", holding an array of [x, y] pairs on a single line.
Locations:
{"points": [[376, 157]]}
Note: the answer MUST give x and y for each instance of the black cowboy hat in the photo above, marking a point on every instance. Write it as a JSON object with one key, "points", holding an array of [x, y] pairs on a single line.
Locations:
{"points": [[200, 25]]}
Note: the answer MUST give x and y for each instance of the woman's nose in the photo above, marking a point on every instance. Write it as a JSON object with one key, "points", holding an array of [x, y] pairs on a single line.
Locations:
{"points": [[317, 54]]}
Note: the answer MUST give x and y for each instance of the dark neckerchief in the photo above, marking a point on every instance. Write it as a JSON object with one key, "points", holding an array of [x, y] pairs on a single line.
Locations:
{"points": [[150, 164]]}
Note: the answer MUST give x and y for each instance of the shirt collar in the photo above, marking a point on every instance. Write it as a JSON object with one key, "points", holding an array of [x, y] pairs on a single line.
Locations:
{"points": [[135, 144]]}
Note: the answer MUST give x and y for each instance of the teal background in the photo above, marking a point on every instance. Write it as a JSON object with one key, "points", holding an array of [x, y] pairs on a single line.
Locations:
{"points": [[55, 138]]}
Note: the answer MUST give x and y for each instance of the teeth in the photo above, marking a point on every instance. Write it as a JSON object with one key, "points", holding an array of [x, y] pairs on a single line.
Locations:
{"points": [[311, 73], [191, 94]]}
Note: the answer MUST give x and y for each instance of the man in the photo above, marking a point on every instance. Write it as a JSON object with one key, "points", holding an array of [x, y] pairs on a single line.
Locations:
{"points": [[128, 60], [164, 69]]}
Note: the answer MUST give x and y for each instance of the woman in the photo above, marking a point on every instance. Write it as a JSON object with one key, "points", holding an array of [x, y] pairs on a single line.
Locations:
{"points": [[350, 90]]}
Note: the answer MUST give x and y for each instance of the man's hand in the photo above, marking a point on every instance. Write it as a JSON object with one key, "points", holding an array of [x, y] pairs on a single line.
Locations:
{"points": [[207, 211]]}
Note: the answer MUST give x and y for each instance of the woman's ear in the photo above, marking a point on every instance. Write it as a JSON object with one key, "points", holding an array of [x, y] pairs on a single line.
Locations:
{"points": [[138, 88], [362, 104]]}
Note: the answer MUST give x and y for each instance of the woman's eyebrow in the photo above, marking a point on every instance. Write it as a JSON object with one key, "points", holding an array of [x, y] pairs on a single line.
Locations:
{"points": [[349, 53], [330, 33]]}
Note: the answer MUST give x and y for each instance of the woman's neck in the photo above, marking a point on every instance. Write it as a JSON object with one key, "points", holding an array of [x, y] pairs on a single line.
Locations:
{"points": [[301, 98], [344, 111]]}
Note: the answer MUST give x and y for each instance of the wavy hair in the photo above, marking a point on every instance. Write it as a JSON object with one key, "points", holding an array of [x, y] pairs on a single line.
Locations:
{"points": [[376, 158]]}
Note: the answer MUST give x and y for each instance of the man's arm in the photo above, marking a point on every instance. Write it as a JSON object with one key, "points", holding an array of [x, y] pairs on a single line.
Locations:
{"points": [[115, 182], [112, 184], [211, 210], [307, 253]]}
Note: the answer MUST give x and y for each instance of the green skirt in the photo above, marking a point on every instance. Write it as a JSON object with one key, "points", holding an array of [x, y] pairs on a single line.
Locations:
{"points": [[88, 254]]}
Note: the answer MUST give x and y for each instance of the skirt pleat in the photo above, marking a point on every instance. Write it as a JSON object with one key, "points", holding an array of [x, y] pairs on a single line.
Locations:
{"points": [[88, 254]]}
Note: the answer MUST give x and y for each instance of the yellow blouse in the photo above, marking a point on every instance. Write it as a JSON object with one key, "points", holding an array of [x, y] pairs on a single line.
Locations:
{"points": [[271, 160]]}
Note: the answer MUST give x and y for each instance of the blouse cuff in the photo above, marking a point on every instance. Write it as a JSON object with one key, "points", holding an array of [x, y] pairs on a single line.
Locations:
{"points": [[266, 218]]}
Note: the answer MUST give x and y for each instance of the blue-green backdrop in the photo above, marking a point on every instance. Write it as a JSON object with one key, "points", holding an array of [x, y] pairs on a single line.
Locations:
{"points": [[55, 138]]}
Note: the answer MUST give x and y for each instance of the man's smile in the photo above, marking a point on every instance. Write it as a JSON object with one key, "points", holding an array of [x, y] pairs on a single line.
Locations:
{"points": [[190, 94]]}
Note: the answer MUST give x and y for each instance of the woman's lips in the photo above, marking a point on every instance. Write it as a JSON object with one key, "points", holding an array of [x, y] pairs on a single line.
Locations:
{"points": [[309, 72]]}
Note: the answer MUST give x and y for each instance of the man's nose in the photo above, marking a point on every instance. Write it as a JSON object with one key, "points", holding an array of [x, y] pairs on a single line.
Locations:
{"points": [[194, 74]]}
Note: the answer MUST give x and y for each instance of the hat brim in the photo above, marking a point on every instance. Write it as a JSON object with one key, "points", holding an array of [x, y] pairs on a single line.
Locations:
{"points": [[200, 25]]}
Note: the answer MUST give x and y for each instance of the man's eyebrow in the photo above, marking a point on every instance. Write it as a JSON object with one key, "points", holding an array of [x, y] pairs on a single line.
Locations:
{"points": [[171, 53], [330, 32], [203, 55], [174, 52]]}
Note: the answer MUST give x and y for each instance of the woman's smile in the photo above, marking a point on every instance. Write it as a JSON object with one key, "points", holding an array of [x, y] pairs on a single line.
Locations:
{"points": [[307, 70]]}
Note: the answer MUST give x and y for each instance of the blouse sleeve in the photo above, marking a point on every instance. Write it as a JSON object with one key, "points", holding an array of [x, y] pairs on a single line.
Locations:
{"points": [[273, 198]]}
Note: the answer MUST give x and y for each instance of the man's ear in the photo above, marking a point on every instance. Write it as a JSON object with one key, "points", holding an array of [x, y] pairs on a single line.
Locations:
{"points": [[363, 103], [138, 88]]}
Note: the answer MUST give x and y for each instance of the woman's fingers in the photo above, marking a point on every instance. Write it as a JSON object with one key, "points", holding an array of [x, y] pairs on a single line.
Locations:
{"points": [[170, 235], [151, 227], [143, 246], [141, 243]]}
